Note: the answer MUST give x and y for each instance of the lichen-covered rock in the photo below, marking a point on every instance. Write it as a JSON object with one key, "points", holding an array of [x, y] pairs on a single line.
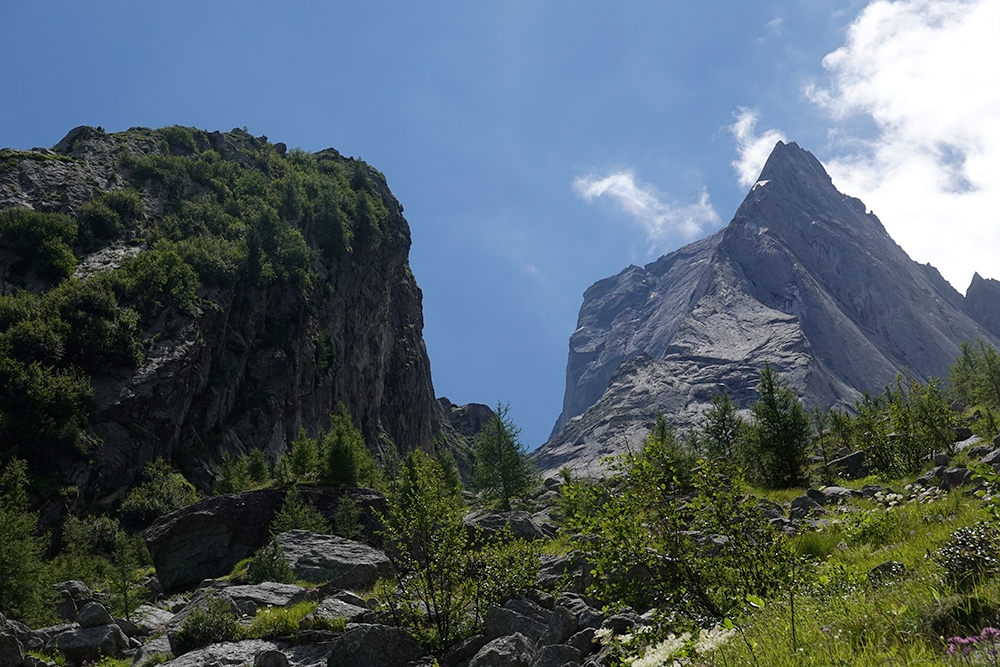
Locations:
{"points": [[269, 593], [89, 644], [341, 562], [374, 646], [510, 651]]}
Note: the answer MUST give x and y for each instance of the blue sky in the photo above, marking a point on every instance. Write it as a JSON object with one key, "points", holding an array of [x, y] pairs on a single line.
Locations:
{"points": [[540, 146]]}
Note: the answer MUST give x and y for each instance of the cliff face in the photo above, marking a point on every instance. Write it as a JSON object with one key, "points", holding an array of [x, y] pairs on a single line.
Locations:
{"points": [[317, 307], [802, 278]]}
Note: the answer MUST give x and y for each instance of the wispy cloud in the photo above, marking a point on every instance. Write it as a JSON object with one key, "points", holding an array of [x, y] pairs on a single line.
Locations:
{"points": [[753, 149], [660, 219], [925, 72]]}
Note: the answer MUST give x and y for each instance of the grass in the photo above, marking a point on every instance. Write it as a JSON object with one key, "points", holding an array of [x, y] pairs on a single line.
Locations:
{"points": [[843, 619]]}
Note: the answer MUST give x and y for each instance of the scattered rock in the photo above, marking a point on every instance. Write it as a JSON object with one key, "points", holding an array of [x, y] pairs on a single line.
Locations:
{"points": [[225, 654], [803, 506], [464, 650], [961, 433], [556, 655], [331, 608], [89, 644], [374, 646], [341, 562], [270, 659], [522, 524], [562, 625], [11, 650], [92, 615], [952, 478], [269, 593], [851, 466], [510, 651]]}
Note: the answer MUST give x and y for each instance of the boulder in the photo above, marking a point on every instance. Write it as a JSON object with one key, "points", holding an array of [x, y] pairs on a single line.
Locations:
{"points": [[961, 433], [331, 609], [205, 540], [509, 651], [148, 619], [501, 622], [463, 650], [92, 615], [952, 478], [562, 625], [341, 562], [556, 655], [522, 524], [568, 573], [225, 654], [993, 458], [587, 616], [803, 506], [11, 650], [267, 594], [271, 659], [154, 647], [374, 646], [851, 466], [583, 641], [89, 644]]}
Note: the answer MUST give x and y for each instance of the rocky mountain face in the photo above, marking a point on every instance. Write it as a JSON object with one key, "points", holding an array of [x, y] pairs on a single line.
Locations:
{"points": [[802, 278], [318, 308]]}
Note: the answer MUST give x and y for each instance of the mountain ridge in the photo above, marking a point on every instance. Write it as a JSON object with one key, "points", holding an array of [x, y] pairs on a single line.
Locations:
{"points": [[803, 277]]}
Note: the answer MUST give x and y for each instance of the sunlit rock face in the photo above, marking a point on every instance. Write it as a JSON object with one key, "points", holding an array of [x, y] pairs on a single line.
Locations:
{"points": [[803, 278]]}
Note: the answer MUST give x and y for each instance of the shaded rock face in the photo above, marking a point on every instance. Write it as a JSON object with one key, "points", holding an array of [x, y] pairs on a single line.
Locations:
{"points": [[459, 425], [802, 278], [207, 539], [256, 363]]}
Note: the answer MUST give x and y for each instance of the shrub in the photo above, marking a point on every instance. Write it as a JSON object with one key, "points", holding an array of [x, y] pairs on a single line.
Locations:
{"points": [[23, 592], [970, 555], [162, 491], [297, 514], [776, 442], [345, 459], [209, 624], [269, 564], [274, 622], [44, 240]]}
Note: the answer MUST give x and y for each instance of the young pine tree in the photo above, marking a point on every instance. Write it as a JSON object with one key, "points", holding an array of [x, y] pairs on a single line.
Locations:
{"points": [[501, 468]]}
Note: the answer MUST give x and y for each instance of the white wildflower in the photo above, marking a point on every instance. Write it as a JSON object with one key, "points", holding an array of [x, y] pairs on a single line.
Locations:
{"points": [[709, 640], [603, 635], [660, 655]]}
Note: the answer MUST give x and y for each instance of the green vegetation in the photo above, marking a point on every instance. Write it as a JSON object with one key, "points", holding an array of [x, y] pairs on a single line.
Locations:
{"points": [[23, 594], [161, 491], [502, 469]]}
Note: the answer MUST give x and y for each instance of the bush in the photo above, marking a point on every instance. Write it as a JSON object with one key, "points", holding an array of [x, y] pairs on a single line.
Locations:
{"points": [[297, 514], [275, 622], [971, 555], [345, 459], [43, 240], [162, 491], [209, 624], [269, 564], [23, 591]]}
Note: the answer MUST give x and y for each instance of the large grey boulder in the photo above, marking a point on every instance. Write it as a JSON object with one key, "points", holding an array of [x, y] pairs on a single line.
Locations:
{"points": [[331, 608], [225, 654], [510, 651], [267, 594], [92, 615], [205, 540], [89, 644], [492, 524], [556, 655], [517, 615], [11, 649], [341, 562], [374, 646]]}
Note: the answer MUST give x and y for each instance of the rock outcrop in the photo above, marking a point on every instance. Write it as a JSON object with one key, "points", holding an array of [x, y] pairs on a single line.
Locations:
{"points": [[982, 303], [256, 360], [802, 278]]}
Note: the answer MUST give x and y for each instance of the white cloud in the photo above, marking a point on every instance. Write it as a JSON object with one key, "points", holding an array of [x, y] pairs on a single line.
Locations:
{"points": [[926, 73], [659, 219], [753, 149]]}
